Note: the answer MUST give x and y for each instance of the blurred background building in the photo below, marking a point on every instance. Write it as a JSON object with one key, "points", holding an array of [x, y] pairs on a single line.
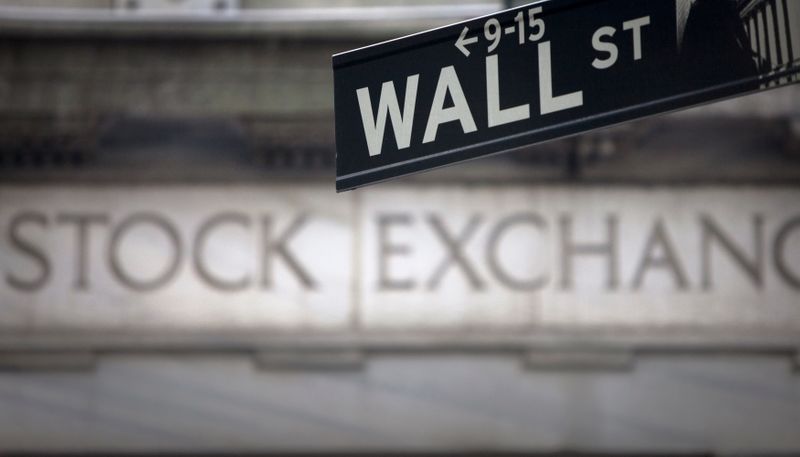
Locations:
{"points": [[178, 274]]}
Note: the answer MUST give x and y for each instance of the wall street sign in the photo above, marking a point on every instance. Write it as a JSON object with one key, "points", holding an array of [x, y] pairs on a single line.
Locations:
{"points": [[547, 70]]}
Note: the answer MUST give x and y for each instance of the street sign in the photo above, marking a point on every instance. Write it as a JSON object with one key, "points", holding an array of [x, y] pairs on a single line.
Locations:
{"points": [[548, 70]]}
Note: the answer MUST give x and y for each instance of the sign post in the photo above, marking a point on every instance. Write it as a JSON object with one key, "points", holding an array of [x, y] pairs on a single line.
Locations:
{"points": [[548, 70]]}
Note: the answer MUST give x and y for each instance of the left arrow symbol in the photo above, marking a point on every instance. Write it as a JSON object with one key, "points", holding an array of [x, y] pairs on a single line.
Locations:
{"points": [[463, 41]]}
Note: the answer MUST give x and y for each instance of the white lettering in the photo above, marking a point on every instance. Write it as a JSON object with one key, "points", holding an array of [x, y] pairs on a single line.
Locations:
{"points": [[604, 46], [547, 102], [498, 116], [448, 82], [636, 25], [388, 104]]}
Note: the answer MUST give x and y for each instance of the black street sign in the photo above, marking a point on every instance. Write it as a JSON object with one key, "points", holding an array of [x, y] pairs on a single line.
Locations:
{"points": [[547, 70]]}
